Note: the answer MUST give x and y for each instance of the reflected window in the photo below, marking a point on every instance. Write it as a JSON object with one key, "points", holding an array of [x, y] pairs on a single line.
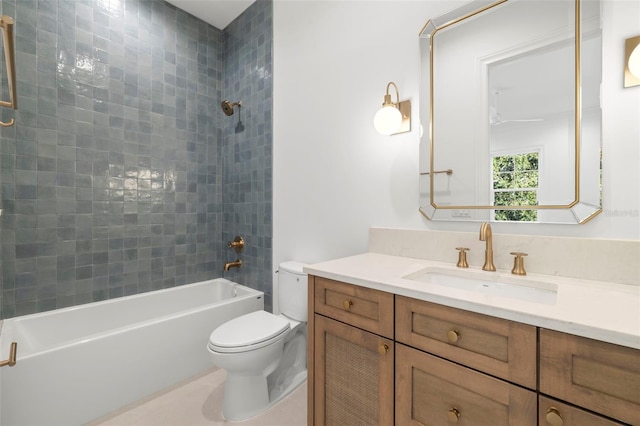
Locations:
{"points": [[515, 183]]}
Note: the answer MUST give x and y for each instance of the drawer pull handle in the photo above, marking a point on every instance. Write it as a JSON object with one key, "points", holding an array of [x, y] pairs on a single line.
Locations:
{"points": [[453, 415], [453, 336], [383, 349], [553, 417], [347, 304]]}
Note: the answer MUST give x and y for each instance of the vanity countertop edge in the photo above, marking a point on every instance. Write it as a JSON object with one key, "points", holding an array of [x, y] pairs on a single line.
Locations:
{"points": [[598, 310]]}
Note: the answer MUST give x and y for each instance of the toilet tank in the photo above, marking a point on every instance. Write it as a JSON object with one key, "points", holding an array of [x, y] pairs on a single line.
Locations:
{"points": [[292, 290]]}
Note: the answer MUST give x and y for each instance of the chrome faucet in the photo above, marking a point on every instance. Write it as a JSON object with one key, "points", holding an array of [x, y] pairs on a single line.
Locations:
{"points": [[236, 264], [487, 235]]}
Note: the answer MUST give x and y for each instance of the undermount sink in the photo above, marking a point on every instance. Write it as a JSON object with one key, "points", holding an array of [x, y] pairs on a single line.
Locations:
{"points": [[489, 283]]}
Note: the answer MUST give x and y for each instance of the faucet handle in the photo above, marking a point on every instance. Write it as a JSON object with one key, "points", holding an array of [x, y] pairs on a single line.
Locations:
{"points": [[518, 263], [237, 244], [462, 257]]}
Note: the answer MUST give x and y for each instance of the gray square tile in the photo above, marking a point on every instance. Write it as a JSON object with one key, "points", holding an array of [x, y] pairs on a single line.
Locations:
{"points": [[140, 86]]}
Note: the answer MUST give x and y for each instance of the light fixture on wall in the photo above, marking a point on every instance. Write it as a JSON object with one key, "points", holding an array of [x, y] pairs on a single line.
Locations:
{"points": [[393, 118], [632, 62]]}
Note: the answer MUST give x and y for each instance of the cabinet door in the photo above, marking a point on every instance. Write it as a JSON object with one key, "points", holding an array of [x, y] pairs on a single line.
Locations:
{"points": [[431, 391], [599, 376], [353, 375], [553, 413]]}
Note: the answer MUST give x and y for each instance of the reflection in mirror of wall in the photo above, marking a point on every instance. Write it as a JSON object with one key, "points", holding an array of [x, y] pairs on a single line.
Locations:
{"points": [[511, 90]]}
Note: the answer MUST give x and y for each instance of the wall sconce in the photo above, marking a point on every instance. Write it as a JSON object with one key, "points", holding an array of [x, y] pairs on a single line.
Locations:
{"points": [[632, 62], [393, 118]]}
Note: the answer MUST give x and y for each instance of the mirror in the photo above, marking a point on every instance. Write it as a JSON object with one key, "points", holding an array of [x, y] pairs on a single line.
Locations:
{"points": [[511, 92]]}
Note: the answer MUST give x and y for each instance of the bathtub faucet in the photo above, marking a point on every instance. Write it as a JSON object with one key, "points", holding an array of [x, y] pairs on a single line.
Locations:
{"points": [[236, 264]]}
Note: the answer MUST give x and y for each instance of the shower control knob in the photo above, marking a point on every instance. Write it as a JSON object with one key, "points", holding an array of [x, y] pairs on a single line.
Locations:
{"points": [[237, 244]]}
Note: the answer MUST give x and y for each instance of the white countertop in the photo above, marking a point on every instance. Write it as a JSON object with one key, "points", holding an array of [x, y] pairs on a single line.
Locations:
{"points": [[593, 309]]}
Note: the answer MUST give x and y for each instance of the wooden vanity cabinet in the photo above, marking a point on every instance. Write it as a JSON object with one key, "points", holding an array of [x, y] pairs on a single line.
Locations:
{"points": [[351, 355], [381, 359]]}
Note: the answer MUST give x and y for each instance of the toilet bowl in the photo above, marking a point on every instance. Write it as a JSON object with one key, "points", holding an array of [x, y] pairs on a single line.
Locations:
{"points": [[264, 354]]}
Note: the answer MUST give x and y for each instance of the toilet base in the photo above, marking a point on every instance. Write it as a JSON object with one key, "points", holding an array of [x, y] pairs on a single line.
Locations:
{"points": [[296, 381], [234, 412], [292, 369], [246, 396], [255, 396]]}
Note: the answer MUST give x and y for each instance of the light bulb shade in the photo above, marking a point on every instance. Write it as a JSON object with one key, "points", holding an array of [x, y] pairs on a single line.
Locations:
{"points": [[387, 120]]}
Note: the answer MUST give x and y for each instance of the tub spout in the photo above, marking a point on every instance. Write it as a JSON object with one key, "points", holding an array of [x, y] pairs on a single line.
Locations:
{"points": [[236, 264]]}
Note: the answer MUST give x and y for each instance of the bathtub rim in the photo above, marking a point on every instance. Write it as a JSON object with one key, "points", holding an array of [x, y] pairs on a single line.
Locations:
{"points": [[8, 325]]}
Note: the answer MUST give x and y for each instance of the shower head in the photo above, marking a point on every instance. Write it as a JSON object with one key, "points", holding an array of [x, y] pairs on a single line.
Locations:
{"points": [[227, 107]]}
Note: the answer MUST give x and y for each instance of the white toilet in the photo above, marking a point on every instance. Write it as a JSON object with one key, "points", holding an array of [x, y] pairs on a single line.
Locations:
{"points": [[265, 355]]}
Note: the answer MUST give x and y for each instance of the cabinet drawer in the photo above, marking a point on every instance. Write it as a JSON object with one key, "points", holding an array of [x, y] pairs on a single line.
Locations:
{"points": [[502, 348], [371, 310], [433, 391], [552, 412], [599, 376]]}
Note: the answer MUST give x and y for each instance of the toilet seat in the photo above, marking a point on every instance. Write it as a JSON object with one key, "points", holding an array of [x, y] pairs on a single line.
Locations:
{"points": [[248, 332]]}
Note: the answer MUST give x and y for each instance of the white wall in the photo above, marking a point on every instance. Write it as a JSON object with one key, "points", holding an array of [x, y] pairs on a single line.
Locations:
{"points": [[334, 176]]}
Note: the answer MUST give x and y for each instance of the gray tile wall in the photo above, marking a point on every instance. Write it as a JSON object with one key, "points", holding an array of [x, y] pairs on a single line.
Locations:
{"points": [[112, 180], [246, 150]]}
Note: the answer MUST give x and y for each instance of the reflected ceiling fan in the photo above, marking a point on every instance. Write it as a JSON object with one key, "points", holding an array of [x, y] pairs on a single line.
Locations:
{"points": [[495, 119]]}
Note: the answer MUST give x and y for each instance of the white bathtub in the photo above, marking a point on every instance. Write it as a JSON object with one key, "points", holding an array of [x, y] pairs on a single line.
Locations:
{"points": [[77, 364]]}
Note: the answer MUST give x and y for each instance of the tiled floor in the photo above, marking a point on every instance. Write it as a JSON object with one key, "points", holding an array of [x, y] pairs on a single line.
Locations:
{"points": [[199, 402]]}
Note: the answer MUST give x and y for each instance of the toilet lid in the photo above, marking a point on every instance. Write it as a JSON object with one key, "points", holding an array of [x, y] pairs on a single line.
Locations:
{"points": [[248, 330]]}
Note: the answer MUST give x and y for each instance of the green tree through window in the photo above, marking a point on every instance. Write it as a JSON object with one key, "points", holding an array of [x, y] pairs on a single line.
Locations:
{"points": [[515, 183]]}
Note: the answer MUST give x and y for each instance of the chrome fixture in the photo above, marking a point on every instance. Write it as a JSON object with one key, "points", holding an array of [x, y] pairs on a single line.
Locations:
{"points": [[236, 264], [6, 23], [462, 257], [487, 235], [227, 106], [632, 62], [237, 244], [12, 356], [393, 118], [518, 263]]}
